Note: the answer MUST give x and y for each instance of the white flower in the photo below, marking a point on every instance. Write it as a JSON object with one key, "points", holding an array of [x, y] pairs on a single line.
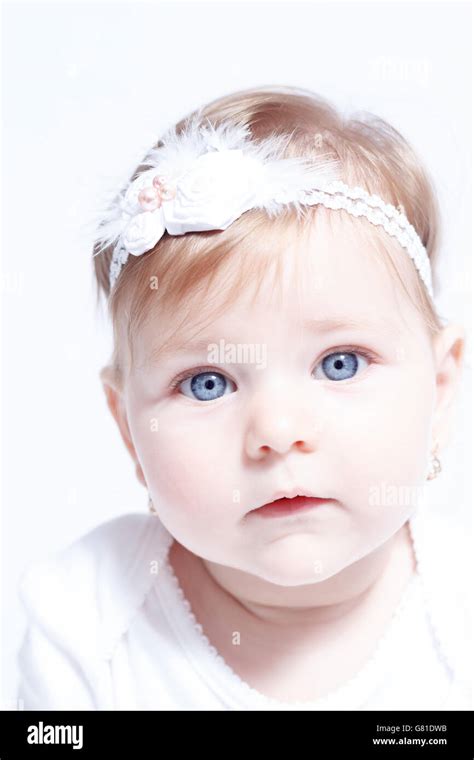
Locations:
{"points": [[217, 188], [143, 232]]}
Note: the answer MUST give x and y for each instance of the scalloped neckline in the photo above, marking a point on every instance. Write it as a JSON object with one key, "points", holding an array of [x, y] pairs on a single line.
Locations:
{"points": [[217, 672]]}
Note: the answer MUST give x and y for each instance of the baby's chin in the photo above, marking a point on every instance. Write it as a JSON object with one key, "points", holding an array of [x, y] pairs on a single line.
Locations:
{"points": [[298, 559]]}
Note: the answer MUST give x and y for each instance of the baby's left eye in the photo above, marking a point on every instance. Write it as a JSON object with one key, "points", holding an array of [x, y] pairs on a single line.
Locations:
{"points": [[341, 365]]}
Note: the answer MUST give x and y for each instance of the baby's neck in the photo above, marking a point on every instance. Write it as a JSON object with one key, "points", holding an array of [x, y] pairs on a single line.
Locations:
{"points": [[374, 582], [312, 639]]}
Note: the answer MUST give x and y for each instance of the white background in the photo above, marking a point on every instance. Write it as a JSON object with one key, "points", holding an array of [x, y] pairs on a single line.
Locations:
{"points": [[87, 89]]}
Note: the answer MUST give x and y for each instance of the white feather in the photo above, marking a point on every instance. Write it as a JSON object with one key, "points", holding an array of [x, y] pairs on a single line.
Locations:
{"points": [[285, 178]]}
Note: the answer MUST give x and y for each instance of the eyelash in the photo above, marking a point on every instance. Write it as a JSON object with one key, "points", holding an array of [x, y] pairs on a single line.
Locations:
{"points": [[371, 357]]}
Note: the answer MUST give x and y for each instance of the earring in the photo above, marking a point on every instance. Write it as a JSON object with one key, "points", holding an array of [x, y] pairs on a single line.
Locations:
{"points": [[435, 464], [151, 507]]}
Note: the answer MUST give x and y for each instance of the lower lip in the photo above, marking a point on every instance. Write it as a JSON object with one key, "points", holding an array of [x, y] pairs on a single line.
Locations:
{"points": [[284, 507]]}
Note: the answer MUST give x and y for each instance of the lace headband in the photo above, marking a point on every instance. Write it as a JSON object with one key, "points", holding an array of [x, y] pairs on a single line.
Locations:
{"points": [[208, 176]]}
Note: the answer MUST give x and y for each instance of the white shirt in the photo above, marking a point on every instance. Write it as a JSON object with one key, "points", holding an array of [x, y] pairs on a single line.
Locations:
{"points": [[110, 628]]}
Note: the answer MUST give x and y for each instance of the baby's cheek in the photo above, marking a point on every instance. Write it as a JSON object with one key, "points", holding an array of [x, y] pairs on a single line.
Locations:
{"points": [[396, 436], [187, 469], [405, 427], [377, 435]]}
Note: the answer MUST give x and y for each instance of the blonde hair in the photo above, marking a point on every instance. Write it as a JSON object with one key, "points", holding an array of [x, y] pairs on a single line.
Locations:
{"points": [[371, 154]]}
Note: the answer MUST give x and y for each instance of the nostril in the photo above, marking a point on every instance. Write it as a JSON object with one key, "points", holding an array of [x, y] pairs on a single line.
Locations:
{"points": [[303, 446]]}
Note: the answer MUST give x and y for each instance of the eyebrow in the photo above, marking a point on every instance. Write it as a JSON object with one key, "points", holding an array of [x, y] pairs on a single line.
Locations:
{"points": [[319, 326], [376, 323]]}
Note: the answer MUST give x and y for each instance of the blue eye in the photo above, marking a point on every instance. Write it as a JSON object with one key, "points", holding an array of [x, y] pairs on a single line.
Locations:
{"points": [[341, 365], [206, 386]]}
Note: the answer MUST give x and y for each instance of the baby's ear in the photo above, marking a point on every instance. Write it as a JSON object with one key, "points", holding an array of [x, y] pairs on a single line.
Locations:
{"points": [[450, 345], [114, 395]]}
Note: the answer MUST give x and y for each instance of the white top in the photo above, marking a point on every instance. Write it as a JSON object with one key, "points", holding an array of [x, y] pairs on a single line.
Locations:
{"points": [[110, 628]]}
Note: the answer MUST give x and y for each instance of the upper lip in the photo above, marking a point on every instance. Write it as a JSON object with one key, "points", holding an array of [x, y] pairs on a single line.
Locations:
{"points": [[290, 494]]}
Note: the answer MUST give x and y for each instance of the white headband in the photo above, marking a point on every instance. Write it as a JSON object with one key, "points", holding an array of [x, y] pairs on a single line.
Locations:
{"points": [[208, 176]]}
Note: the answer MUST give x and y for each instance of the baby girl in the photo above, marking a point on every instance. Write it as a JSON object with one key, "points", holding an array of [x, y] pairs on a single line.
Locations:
{"points": [[285, 388]]}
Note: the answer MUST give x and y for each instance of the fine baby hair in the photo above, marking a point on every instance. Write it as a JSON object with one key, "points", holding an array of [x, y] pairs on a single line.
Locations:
{"points": [[253, 162]]}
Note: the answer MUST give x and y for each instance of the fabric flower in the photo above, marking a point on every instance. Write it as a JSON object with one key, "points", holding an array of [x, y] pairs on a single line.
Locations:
{"points": [[218, 187], [143, 232]]}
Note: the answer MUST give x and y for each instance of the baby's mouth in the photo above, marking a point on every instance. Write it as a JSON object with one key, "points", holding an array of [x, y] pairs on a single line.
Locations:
{"points": [[286, 506]]}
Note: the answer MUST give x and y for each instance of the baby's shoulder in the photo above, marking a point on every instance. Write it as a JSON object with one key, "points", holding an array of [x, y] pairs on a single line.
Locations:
{"points": [[86, 593]]}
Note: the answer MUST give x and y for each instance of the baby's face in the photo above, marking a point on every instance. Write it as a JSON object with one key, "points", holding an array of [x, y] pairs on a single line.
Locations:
{"points": [[327, 386]]}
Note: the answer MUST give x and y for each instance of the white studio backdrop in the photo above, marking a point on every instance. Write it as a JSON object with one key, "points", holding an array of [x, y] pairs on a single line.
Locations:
{"points": [[87, 89]]}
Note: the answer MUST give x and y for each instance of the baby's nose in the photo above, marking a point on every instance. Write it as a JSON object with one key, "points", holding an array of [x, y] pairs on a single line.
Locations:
{"points": [[280, 429]]}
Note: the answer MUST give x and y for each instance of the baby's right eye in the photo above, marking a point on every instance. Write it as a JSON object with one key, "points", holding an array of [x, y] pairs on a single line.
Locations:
{"points": [[205, 386]]}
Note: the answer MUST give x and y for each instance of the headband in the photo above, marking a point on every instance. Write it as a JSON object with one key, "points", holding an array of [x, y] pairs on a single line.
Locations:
{"points": [[209, 175]]}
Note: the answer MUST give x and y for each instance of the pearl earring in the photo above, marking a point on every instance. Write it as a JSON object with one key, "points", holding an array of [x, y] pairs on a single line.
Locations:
{"points": [[435, 464]]}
